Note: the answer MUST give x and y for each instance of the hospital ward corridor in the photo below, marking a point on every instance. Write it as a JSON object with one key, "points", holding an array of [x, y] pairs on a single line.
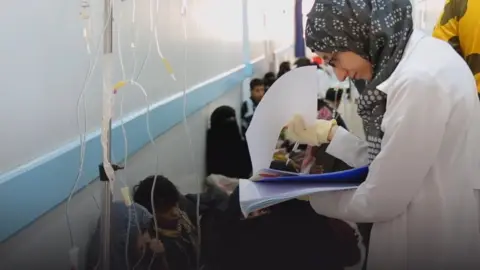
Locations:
{"points": [[240, 135]]}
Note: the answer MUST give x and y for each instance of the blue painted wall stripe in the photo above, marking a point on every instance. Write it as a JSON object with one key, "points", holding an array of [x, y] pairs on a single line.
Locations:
{"points": [[299, 40], [33, 189]]}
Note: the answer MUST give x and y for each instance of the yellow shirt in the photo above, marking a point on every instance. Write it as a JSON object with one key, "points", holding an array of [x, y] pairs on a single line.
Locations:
{"points": [[459, 25]]}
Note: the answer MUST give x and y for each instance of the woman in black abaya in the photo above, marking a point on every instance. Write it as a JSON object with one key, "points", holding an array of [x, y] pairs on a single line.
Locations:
{"points": [[227, 151]]}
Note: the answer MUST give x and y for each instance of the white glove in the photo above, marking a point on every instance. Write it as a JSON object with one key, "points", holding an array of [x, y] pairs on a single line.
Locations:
{"points": [[305, 198], [319, 133]]}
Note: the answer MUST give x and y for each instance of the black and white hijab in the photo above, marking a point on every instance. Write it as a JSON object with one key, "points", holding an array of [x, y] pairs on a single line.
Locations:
{"points": [[377, 30]]}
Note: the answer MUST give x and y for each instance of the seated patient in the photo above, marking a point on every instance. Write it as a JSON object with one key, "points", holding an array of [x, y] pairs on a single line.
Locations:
{"points": [[170, 239], [227, 150], [126, 225], [139, 241], [287, 236]]}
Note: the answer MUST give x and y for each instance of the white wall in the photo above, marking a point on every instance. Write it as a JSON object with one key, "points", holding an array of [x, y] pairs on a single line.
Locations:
{"points": [[46, 243], [271, 26], [46, 81], [45, 61]]}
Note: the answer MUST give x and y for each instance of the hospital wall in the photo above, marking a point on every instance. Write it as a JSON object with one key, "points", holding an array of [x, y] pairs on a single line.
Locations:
{"points": [[45, 60]]}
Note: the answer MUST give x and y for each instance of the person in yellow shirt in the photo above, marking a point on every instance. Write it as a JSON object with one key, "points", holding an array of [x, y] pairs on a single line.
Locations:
{"points": [[459, 25]]}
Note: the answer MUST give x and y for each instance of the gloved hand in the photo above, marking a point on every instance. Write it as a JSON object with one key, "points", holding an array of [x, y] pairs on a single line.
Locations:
{"points": [[305, 198], [319, 133]]}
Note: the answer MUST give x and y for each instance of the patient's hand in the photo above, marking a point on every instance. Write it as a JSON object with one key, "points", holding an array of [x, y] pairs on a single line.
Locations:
{"points": [[297, 157], [258, 213], [316, 169], [155, 245]]}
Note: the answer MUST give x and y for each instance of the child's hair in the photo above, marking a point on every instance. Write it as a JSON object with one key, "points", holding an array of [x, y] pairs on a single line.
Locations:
{"points": [[165, 195], [269, 76], [283, 68], [256, 82], [334, 96], [303, 62]]}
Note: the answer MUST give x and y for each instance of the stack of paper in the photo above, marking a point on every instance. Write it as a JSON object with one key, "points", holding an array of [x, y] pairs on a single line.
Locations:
{"points": [[293, 93], [270, 187], [258, 195]]}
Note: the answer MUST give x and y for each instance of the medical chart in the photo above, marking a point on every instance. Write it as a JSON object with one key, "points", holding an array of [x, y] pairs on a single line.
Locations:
{"points": [[258, 195], [293, 93]]}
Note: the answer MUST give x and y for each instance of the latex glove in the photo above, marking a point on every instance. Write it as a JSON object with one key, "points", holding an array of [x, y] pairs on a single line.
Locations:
{"points": [[305, 198], [319, 133]]}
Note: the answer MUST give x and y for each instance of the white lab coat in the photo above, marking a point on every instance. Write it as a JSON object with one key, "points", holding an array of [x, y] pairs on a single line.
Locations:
{"points": [[419, 191]]}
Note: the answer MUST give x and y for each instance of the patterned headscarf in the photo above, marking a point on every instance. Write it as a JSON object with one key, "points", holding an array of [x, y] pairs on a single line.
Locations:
{"points": [[377, 30]]}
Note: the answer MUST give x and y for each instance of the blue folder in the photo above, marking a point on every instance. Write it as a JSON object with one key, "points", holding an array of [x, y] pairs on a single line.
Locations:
{"points": [[356, 175]]}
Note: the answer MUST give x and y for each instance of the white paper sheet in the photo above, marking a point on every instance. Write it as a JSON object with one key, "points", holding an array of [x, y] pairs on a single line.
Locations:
{"points": [[293, 93], [258, 195]]}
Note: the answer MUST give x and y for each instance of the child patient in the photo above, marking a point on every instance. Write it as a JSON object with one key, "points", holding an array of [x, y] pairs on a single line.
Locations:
{"points": [[257, 90], [147, 236], [170, 239]]}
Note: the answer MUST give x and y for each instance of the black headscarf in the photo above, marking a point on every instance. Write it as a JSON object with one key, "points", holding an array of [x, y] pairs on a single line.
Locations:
{"points": [[227, 151], [377, 30]]}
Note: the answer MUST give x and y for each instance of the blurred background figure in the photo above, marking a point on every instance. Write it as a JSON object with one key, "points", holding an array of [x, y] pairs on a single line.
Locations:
{"points": [[268, 80], [460, 27], [283, 68], [328, 107], [257, 90], [303, 62], [227, 150]]}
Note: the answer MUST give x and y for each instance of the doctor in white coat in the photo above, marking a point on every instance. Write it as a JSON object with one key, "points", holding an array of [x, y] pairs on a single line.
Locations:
{"points": [[421, 116]]}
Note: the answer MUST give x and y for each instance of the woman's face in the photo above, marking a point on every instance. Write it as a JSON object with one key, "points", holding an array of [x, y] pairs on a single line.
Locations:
{"points": [[348, 65]]}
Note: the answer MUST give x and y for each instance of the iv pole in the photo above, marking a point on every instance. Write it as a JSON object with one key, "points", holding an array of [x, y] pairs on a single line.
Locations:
{"points": [[107, 195]]}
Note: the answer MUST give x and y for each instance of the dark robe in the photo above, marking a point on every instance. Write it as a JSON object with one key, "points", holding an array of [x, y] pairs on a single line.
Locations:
{"points": [[290, 236], [227, 151]]}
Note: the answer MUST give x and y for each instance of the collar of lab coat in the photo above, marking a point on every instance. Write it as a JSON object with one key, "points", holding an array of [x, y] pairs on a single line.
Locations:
{"points": [[412, 43]]}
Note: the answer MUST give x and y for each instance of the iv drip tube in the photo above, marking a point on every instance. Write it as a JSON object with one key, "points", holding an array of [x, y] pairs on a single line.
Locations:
{"points": [[183, 12], [82, 136]]}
